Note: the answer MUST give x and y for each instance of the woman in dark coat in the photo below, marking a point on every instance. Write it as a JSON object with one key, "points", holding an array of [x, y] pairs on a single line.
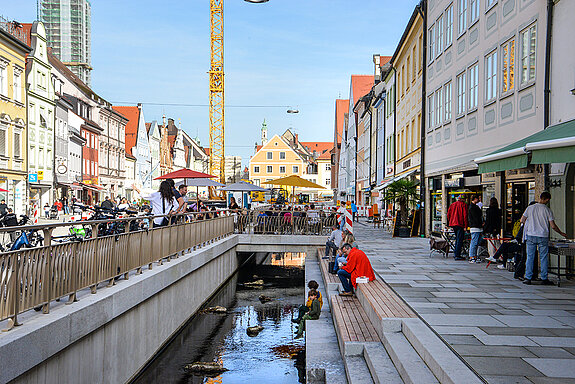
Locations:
{"points": [[493, 218]]}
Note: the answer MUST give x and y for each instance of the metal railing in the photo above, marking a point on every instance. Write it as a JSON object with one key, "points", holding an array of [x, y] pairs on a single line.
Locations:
{"points": [[34, 277]]}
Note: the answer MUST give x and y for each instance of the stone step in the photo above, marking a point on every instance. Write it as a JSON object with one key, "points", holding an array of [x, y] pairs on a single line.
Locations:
{"points": [[356, 370], [380, 365], [408, 363], [440, 359]]}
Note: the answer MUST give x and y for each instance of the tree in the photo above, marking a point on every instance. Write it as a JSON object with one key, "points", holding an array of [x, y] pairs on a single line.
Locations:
{"points": [[404, 192]]}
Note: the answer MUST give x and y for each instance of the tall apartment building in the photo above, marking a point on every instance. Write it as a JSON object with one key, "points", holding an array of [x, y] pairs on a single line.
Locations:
{"points": [[68, 30]]}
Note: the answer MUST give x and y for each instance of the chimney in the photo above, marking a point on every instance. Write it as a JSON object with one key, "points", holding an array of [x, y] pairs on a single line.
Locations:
{"points": [[140, 106], [295, 140]]}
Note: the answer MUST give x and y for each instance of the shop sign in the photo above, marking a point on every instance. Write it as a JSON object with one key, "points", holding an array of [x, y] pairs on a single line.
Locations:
{"points": [[454, 183], [32, 177], [40, 175]]}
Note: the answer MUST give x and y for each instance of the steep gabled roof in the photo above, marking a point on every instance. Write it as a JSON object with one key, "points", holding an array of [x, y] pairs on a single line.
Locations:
{"points": [[361, 85], [132, 113], [320, 147]]}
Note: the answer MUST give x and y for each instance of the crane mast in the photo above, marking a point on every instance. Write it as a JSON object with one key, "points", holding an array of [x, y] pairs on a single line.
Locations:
{"points": [[217, 166]]}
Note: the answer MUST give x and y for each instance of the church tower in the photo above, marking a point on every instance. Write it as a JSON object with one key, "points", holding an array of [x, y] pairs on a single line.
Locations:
{"points": [[264, 133]]}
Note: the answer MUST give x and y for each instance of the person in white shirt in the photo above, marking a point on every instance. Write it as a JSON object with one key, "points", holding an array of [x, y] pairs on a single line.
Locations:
{"points": [[537, 219], [334, 240], [163, 202]]}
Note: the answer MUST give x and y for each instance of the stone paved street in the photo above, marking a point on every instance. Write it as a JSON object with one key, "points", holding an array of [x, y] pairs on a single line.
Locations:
{"points": [[506, 331]]}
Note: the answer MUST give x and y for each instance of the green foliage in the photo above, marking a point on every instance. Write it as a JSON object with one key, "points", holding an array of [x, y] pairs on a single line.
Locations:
{"points": [[403, 187]]}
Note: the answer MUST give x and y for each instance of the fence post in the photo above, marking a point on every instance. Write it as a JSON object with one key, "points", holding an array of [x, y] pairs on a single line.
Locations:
{"points": [[94, 252], [48, 276], [75, 267], [15, 297]]}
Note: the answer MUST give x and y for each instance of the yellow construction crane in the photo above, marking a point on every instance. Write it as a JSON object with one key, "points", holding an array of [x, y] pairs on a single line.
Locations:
{"points": [[217, 132]]}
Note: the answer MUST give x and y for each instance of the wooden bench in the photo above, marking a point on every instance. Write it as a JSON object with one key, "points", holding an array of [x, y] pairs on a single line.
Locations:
{"points": [[383, 306], [331, 281], [352, 325]]}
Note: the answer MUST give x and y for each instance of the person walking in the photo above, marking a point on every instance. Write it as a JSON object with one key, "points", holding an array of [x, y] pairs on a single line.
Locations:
{"points": [[457, 220], [475, 217], [353, 211], [537, 219]]}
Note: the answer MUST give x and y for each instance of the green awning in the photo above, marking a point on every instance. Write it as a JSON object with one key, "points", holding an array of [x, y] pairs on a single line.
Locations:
{"points": [[553, 155], [559, 153], [514, 162]]}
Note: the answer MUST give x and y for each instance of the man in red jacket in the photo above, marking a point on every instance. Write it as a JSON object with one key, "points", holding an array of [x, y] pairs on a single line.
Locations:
{"points": [[357, 265], [457, 219]]}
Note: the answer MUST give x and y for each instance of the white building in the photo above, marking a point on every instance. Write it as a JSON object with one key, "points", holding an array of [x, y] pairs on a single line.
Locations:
{"points": [[41, 111], [112, 156], [154, 138]]}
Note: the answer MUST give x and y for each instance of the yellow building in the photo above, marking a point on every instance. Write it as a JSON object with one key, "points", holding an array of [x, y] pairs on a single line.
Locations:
{"points": [[285, 155], [13, 118], [407, 61]]}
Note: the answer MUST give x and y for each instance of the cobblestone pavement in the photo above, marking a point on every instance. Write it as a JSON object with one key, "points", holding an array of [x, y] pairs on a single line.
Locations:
{"points": [[507, 331]]}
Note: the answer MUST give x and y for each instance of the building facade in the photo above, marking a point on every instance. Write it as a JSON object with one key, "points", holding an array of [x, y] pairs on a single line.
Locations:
{"points": [[112, 146], [68, 27], [485, 81], [154, 139], [41, 117], [409, 79], [13, 119]]}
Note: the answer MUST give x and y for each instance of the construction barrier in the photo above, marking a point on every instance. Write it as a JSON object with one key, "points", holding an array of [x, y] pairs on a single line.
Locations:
{"points": [[36, 213], [348, 220]]}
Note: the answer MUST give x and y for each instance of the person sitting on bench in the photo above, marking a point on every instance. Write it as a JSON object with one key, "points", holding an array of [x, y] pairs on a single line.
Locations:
{"points": [[333, 241], [313, 314], [357, 265]]}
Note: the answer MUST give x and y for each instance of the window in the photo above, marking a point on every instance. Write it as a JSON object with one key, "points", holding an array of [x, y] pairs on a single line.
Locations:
{"points": [[282, 169], [431, 38], [447, 93], [41, 158], [491, 76], [439, 33], [462, 25], [489, 3], [282, 155], [256, 169], [17, 144], [461, 93], [269, 169], [3, 140], [473, 85], [449, 25], [408, 69], [17, 89], [508, 65], [473, 11], [327, 181], [270, 155], [295, 169], [431, 110], [32, 154], [527, 39], [49, 159], [3, 76], [439, 106], [328, 167], [413, 63]]}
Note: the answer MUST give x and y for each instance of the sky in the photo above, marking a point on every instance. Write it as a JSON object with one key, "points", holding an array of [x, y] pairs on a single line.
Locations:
{"points": [[297, 54]]}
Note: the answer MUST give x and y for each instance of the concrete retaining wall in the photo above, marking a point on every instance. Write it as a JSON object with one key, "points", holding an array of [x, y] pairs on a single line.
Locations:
{"points": [[109, 336]]}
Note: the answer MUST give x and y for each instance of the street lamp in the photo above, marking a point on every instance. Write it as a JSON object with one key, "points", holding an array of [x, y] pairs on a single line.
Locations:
{"points": [[256, 1], [289, 110]]}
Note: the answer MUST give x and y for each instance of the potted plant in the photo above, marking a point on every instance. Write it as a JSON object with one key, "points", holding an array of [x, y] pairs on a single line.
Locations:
{"points": [[404, 192]]}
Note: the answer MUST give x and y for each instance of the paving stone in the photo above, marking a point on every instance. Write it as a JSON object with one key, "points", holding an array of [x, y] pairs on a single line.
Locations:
{"points": [[507, 380], [551, 353], [553, 367], [470, 320], [550, 380], [506, 340], [530, 321], [454, 330], [491, 350], [461, 339], [469, 311], [549, 312], [523, 331], [513, 312], [554, 341], [567, 320], [570, 332], [509, 366]]}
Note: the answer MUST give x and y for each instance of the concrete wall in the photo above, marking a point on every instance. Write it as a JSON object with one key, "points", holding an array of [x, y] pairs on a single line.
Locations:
{"points": [[109, 336]]}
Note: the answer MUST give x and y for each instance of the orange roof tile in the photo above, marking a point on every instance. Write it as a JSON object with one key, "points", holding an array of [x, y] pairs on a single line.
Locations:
{"points": [[319, 147], [341, 108], [361, 85], [132, 113], [384, 60]]}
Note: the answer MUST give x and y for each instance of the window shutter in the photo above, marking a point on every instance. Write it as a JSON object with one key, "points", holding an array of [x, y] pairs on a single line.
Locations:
{"points": [[17, 146], [2, 142]]}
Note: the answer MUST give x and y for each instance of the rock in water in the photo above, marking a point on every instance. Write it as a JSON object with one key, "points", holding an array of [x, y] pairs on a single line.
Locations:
{"points": [[205, 367], [265, 299], [255, 283], [254, 331], [216, 309]]}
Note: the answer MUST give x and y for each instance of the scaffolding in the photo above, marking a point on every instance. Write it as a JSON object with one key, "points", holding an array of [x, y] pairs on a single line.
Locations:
{"points": [[68, 31]]}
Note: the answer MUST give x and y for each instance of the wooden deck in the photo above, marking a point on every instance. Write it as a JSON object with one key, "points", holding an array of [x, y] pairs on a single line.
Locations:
{"points": [[384, 302], [351, 321], [323, 264]]}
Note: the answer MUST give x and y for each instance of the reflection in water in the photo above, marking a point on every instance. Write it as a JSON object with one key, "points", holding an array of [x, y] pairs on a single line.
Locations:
{"points": [[271, 356]]}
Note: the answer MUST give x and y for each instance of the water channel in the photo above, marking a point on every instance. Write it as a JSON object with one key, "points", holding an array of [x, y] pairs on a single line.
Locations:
{"points": [[273, 356]]}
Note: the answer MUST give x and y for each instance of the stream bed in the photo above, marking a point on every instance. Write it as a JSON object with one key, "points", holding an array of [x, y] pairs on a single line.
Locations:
{"points": [[273, 356]]}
